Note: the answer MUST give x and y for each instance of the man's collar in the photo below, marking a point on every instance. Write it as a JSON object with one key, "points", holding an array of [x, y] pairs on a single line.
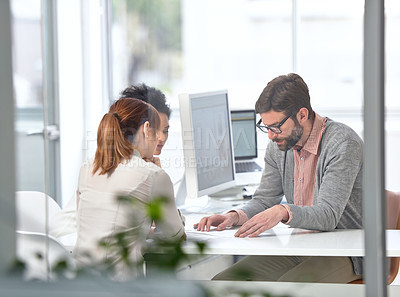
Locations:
{"points": [[312, 143]]}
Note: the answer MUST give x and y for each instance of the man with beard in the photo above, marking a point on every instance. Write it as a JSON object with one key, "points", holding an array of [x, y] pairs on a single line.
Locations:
{"points": [[316, 163]]}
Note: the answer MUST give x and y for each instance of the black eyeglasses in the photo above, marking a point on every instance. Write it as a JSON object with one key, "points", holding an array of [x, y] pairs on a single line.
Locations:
{"points": [[276, 129]]}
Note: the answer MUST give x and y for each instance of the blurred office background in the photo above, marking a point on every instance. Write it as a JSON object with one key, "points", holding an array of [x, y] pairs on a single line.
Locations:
{"points": [[99, 47]]}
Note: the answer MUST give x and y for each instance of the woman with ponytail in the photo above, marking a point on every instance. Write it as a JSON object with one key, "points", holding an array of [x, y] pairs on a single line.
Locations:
{"points": [[126, 141]]}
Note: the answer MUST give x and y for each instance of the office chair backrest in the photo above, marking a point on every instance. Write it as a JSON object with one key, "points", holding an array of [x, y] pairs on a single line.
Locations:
{"points": [[392, 222], [31, 210], [33, 248], [393, 210]]}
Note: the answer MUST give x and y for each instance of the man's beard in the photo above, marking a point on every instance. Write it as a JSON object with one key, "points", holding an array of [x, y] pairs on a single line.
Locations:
{"points": [[292, 139]]}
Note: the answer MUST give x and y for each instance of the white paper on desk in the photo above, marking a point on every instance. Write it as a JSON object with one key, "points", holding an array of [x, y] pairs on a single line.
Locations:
{"points": [[230, 233], [213, 233]]}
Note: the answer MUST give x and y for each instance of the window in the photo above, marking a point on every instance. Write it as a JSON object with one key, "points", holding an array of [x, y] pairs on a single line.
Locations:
{"points": [[203, 45]]}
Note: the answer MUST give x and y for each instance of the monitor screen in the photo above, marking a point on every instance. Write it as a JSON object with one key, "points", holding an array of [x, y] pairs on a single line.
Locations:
{"points": [[244, 134], [207, 143]]}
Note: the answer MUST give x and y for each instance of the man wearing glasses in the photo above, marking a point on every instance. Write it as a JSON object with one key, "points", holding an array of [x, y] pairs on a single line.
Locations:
{"points": [[316, 163]]}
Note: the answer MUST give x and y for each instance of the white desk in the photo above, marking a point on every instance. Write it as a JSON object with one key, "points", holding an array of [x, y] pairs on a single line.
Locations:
{"points": [[284, 241], [231, 288]]}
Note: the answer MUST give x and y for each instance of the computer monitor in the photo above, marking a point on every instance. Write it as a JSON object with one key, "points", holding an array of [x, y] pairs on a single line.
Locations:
{"points": [[207, 143], [244, 134]]}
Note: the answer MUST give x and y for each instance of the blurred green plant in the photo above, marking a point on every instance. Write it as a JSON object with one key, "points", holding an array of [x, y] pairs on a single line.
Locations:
{"points": [[153, 33], [161, 17], [160, 255]]}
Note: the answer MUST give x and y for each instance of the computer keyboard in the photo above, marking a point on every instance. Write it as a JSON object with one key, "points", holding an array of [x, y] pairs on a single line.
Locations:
{"points": [[250, 166]]}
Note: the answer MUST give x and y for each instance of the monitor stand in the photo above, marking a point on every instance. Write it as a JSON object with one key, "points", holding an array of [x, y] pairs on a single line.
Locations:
{"points": [[231, 194], [215, 203], [235, 193]]}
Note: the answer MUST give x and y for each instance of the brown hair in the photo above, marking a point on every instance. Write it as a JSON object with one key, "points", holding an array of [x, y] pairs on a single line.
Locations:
{"points": [[285, 93], [117, 130]]}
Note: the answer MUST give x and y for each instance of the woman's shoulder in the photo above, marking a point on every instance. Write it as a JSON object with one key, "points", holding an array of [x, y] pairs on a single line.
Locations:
{"points": [[148, 171], [138, 162]]}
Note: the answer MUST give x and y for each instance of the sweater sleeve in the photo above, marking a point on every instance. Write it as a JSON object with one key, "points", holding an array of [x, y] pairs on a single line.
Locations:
{"points": [[270, 190], [338, 171]]}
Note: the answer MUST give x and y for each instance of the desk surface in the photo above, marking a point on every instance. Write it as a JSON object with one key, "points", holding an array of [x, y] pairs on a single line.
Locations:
{"points": [[282, 240], [231, 288]]}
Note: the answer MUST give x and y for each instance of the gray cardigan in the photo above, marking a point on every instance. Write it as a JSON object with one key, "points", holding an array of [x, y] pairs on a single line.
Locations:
{"points": [[337, 202]]}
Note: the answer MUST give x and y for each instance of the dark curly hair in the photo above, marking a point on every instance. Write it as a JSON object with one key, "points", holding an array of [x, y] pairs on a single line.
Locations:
{"points": [[148, 94]]}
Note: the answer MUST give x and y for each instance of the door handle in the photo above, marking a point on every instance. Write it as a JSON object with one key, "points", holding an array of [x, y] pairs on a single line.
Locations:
{"points": [[52, 132]]}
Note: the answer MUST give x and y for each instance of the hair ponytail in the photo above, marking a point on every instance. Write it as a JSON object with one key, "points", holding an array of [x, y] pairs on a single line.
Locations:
{"points": [[117, 130], [112, 146]]}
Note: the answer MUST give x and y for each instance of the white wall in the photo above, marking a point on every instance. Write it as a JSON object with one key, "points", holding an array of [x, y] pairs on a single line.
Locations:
{"points": [[82, 98], [71, 93]]}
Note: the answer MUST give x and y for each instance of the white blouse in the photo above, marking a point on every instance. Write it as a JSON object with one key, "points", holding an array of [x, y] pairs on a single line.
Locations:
{"points": [[100, 215]]}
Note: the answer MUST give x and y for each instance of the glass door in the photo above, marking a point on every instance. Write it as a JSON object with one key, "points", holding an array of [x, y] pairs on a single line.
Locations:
{"points": [[36, 104]]}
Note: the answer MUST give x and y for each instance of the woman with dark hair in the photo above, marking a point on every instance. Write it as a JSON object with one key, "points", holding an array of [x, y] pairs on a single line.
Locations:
{"points": [[157, 99], [126, 140]]}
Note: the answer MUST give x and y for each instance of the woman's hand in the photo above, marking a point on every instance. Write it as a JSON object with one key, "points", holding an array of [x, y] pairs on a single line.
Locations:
{"points": [[154, 160]]}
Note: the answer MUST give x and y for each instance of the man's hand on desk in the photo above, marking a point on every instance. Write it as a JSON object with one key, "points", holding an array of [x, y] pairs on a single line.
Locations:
{"points": [[221, 221], [263, 221]]}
